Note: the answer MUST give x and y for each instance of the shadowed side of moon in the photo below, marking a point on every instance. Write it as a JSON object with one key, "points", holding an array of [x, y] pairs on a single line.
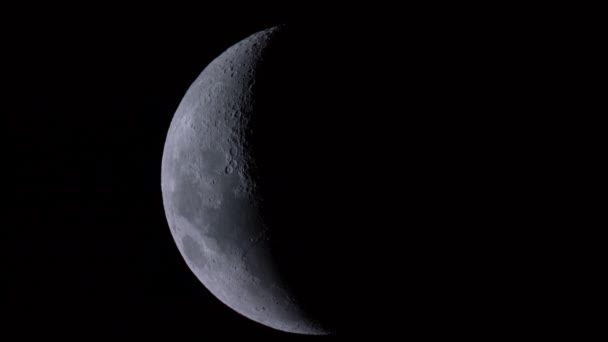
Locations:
{"points": [[241, 183]]}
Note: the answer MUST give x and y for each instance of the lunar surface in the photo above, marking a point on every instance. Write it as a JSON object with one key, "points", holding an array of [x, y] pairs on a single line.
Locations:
{"points": [[233, 190]]}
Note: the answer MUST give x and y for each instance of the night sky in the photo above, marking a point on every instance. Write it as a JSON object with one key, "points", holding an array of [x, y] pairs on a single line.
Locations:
{"points": [[434, 112], [90, 251]]}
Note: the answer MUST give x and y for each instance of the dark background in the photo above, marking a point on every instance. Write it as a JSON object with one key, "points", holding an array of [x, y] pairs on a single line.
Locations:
{"points": [[438, 156], [88, 246]]}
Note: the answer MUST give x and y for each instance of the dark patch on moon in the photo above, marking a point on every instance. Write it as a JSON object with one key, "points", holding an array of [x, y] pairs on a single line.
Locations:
{"points": [[193, 251]]}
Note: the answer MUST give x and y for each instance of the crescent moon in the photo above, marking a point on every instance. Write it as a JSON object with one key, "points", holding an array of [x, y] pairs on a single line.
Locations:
{"points": [[210, 192]]}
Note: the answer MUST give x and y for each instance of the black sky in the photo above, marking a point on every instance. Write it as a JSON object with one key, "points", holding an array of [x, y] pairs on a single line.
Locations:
{"points": [[90, 251], [437, 115]]}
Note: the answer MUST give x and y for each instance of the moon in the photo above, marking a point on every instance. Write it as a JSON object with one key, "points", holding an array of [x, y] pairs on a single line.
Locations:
{"points": [[235, 195]]}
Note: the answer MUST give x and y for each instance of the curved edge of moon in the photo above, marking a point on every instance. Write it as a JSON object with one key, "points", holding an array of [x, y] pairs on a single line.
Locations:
{"points": [[209, 197]]}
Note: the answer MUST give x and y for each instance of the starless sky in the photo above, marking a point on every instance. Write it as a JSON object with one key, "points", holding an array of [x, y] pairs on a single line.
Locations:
{"points": [[433, 114], [96, 98]]}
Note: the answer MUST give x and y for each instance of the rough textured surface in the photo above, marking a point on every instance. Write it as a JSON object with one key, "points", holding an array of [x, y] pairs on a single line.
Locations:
{"points": [[211, 197]]}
